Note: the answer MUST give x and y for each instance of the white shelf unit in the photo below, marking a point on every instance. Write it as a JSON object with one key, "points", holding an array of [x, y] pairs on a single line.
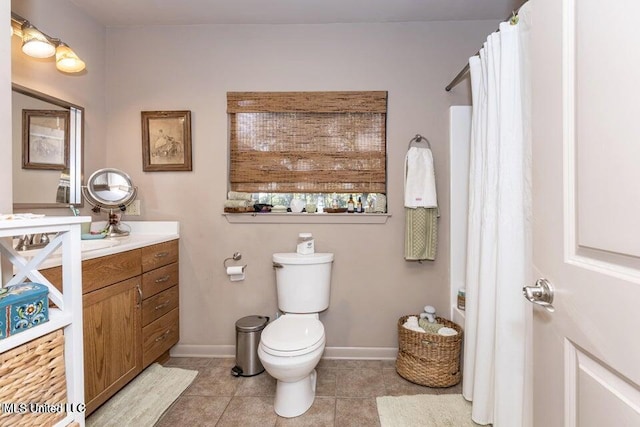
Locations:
{"points": [[68, 314]]}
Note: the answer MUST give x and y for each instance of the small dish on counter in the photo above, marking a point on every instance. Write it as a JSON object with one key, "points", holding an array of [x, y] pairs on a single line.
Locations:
{"points": [[89, 236]]}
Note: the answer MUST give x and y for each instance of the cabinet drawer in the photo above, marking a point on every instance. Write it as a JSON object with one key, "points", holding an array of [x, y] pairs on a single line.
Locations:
{"points": [[100, 272], [159, 305], [159, 336], [158, 255], [159, 279]]}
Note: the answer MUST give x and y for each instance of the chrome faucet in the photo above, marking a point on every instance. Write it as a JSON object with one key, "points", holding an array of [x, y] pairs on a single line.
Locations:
{"points": [[32, 241]]}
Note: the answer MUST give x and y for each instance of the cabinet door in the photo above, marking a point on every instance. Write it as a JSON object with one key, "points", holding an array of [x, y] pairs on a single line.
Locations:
{"points": [[112, 335]]}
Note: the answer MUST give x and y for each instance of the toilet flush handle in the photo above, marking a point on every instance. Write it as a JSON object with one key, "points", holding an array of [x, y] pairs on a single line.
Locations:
{"points": [[277, 265]]}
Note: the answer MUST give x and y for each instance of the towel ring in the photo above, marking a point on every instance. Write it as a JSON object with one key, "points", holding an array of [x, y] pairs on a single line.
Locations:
{"points": [[418, 139]]}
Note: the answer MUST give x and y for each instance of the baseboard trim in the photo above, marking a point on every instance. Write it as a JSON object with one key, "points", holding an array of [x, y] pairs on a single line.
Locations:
{"points": [[377, 353]]}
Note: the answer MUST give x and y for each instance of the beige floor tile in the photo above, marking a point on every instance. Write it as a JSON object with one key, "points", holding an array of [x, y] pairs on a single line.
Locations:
{"points": [[364, 382], [183, 362], [194, 410], [225, 362], [321, 414], [249, 412], [213, 381], [350, 363], [326, 382], [357, 413], [395, 385], [327, 363], [456, 389], [388, 364], [258, 385]]}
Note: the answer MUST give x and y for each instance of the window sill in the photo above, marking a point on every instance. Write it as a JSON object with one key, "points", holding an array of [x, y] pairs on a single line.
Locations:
{"points": [[305, 218]]}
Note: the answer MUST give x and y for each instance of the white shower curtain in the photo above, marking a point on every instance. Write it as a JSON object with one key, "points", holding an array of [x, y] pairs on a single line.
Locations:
{"points": [[496, 375]]}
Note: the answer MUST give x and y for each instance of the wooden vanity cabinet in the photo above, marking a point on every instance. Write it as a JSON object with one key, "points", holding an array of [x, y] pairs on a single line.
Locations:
{"points": [[130, 315]]}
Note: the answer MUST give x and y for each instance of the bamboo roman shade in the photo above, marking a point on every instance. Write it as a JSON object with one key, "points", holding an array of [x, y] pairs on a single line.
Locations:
{"points": [[307, 142]]}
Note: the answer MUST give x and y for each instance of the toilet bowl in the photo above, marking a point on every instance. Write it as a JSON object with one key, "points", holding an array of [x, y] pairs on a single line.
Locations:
{"points": [[290, 348], [292, 345]]}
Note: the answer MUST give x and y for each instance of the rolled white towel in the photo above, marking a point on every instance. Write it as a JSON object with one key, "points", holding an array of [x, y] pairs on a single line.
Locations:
{"points": [[237, 195], [412, 324], [447, 332], [237, 203]]}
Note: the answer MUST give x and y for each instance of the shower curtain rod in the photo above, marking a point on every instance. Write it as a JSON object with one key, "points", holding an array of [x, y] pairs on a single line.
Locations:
{"points": [[513, 20]]}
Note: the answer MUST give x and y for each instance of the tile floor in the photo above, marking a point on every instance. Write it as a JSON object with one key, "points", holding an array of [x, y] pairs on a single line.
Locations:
{"points": [[345, 395]]}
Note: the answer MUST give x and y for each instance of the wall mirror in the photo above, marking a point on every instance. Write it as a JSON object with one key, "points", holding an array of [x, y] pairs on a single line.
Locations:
{"points": [[47, 150], [110, 190]]}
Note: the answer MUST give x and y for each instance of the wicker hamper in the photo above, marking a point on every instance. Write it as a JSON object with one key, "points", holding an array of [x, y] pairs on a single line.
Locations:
{"points": [[33, 373], [429, 359]]}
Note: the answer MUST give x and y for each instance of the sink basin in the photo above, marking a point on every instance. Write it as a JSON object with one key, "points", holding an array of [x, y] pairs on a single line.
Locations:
{"points": [[85, 246]]}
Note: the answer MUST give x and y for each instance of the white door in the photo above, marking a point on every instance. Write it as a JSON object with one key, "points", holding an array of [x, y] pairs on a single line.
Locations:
{"points": [[586, 211]]}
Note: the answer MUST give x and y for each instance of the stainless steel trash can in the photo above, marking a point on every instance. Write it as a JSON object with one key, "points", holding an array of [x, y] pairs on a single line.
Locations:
{"points": [[248, 331]]}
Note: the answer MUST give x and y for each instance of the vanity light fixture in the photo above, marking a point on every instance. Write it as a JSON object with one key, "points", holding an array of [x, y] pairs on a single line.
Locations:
{"points": [[37, 44]]}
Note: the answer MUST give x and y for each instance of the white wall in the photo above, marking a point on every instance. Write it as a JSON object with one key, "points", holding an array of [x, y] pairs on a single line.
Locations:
{"points": [[192, 67]]}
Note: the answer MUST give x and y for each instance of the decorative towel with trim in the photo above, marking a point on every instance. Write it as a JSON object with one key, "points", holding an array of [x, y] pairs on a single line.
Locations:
{"points": [[421, 206], [419, 179]]}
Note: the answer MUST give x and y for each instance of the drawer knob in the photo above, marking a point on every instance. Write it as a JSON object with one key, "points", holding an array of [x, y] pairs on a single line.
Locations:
{"points": [[163, 305], [161, 254], [163, 279], [163, 336]]}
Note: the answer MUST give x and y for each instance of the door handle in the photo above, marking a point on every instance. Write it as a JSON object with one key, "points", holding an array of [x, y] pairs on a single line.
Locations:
{"points": [[541, 293]]}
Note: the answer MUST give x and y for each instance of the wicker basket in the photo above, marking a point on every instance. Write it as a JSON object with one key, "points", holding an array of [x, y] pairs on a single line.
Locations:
{"points": [[429, 359], [33, 373]]}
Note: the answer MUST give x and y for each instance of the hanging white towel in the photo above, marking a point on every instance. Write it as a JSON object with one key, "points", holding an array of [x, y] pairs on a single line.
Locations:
{"points": [[419, 179]]}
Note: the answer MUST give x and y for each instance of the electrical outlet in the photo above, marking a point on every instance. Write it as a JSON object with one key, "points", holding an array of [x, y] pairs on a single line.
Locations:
{"points": [[133, 208]]}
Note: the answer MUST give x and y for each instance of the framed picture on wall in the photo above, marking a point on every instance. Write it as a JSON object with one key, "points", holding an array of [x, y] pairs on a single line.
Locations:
{"points": [[45, 139], [166, 141]]}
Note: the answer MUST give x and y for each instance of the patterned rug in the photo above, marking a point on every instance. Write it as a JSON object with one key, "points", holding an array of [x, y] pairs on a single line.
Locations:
{"points": [[143, 401]]}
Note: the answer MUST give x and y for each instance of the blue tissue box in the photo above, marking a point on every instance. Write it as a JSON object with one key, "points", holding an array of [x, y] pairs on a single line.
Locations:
{"points": [[22, 307]]}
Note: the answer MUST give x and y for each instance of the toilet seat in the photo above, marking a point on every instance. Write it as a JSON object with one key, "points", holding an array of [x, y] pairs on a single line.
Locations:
{"points": [[292, 335]]}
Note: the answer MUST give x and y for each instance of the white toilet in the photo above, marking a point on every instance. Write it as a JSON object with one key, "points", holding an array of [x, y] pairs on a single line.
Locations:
{"points": [[291, 346]]}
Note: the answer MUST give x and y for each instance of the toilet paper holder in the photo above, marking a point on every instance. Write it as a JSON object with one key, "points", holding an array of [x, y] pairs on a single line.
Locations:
{"points": [[235, 257], [235, 273]]}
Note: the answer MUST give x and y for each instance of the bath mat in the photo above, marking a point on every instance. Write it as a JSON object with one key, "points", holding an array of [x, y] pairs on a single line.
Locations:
{"points": [[424, 410], [143, 401]]}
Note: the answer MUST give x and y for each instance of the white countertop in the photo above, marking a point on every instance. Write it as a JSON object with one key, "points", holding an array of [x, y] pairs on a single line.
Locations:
{"points": [[143, 233]]}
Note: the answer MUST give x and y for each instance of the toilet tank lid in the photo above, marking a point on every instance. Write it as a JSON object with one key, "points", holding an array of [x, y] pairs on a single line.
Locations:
{"points": [[296, 258]]}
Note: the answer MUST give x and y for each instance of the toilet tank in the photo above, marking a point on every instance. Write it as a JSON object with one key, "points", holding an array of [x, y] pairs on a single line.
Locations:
{"points": [[303, 282]]}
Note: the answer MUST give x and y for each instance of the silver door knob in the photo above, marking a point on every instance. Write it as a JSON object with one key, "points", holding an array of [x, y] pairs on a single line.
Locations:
{"points": [[541, 293]]}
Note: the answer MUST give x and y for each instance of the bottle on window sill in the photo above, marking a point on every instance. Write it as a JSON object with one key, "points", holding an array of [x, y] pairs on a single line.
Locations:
{"points": [[350, 204], [359, 208]]}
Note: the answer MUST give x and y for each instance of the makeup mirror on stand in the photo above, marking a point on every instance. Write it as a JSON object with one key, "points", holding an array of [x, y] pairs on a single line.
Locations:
{"points": [[110, 190]]}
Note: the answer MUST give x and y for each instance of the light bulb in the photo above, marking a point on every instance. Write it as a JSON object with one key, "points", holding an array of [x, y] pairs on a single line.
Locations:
{"points": [[35, 44], [67, 60]]}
